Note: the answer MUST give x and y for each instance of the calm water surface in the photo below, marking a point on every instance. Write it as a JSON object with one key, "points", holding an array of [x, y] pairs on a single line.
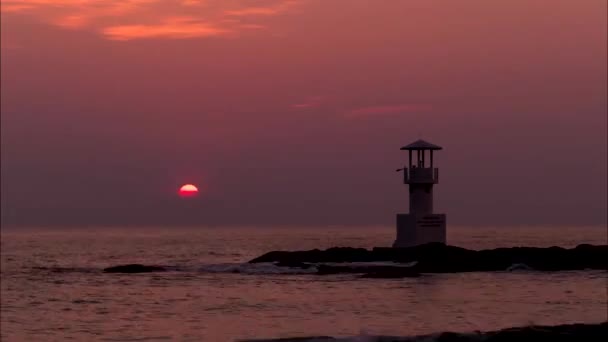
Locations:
{"points": [[53, 289]]}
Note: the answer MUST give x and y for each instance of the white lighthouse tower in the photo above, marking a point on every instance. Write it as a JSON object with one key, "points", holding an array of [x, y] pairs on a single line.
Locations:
{"points": [[421, 225]]}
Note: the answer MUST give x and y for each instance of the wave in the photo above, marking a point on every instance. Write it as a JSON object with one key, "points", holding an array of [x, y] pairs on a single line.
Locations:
{"points": [[274, 268], [519, 267], [240, 268], [261, 268], [57, 269], [268, 268]]}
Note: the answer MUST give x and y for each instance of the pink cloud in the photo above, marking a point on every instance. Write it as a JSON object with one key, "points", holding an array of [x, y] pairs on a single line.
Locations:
{"points": [[8, 8], [178, 28], [314, 101], [72, 21], [267, 10], [388, 110], [145, 19], [191, 2], [252, 26]]}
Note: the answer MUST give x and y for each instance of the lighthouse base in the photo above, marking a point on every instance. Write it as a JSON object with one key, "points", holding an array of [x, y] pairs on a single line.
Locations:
{"points": [[415, 230]]}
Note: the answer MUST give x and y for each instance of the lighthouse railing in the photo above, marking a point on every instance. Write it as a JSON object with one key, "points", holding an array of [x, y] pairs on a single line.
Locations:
{"points": [[421, 175]]}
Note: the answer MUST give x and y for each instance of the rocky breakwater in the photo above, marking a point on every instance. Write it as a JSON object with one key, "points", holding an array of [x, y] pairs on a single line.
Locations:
{"points": [[562, 333], [440, 258]]}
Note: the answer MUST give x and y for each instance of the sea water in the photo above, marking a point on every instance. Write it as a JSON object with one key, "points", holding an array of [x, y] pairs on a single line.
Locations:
{"points": [[53, 287]]}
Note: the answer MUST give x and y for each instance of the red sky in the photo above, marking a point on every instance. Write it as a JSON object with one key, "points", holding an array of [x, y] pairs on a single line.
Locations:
{"points": [[293, 112]]}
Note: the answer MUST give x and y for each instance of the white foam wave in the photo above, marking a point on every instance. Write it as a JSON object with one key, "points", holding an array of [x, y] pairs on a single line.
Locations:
{"points": [[271, 268], [371, 263], [519, 267], [257, 268]]}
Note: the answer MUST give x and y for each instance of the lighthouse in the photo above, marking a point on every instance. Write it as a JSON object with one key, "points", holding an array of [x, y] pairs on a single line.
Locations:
{"points": [[421, 225]]}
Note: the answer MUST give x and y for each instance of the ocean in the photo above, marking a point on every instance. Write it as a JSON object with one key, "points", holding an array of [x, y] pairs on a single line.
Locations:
{"points": [[53, 287]]}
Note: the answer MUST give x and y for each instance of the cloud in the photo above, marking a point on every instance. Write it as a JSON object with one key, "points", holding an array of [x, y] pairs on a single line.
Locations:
{"points": [[178, 28], [313, 101], [191, 2], [388, 110], [146, 19], [9, 8], [72, 21], [262, 11]]}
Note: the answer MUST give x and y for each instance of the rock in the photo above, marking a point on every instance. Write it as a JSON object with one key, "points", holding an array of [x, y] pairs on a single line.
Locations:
{"points": [[440, 258], [133, 268], [558, 333], [294, 339], [335, 254]]}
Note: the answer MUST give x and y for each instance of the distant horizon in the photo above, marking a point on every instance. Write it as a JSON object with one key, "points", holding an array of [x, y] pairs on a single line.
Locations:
{"points": [[292, 225]]}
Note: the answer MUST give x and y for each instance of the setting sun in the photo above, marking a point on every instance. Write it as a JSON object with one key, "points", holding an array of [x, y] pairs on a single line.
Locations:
{"points": [[188, 190]]}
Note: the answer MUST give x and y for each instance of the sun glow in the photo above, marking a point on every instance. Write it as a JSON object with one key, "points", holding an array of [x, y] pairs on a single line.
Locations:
{"points": [[188, 190]]}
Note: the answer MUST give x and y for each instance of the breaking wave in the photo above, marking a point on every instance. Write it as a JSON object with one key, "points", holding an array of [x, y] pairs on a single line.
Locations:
{"points": [[519, 267], [260, 268], [255, 268], [240, 268]]}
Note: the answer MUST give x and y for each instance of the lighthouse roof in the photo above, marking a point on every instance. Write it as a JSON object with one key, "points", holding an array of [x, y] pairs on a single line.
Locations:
{"points": [[421, 145]]}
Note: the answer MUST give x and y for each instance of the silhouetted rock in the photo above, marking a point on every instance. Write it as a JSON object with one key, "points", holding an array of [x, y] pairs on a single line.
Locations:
{"points": [[558, 333], [440, 258], [133, 268], [456, 337], [335, 254], [296, 339]]}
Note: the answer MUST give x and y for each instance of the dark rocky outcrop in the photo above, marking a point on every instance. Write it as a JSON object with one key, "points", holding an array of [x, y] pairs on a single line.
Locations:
{"points": [[297, 339], [133, 268], [558, 333], [440, 258]]}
